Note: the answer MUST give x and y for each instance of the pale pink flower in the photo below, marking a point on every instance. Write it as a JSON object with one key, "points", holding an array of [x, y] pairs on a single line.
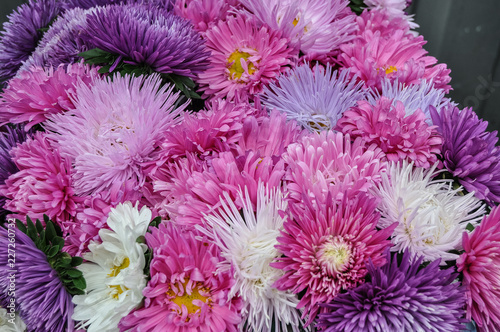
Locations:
{"points": [[203, 13]]}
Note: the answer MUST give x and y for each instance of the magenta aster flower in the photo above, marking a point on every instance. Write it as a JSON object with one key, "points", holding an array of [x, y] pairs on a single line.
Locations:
{"points": [[326, 247], [41, 298], [191, 192], [147, 36], [480, 265], [115, 130], [203, 13], [43, 183], [35, 94], [383, 21], [392, 9], [399, 297], [186, 292], [313, 26], [21, 34], [245, 56], [326, 160], [400, 56], [399, 135], [469, 151]]}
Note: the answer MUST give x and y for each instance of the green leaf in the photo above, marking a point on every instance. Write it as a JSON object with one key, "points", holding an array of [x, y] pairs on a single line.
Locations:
{"points": [[20, 226], [74, 273], [52, 252], [470, 227], [76, 261], [80, 283], [50, 231], [155, 222]]}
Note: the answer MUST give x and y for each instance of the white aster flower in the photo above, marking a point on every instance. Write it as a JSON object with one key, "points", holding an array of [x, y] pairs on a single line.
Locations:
{"points": [[11, 322], [114, 273], [431, 215], [247, 241]]}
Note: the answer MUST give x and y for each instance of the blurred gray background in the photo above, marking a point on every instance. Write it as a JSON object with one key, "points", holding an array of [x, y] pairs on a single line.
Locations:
{"points": [[464, 34]]}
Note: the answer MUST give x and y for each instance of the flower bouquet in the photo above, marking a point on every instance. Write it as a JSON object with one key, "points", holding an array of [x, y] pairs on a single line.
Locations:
{"points": [[239, 165]]}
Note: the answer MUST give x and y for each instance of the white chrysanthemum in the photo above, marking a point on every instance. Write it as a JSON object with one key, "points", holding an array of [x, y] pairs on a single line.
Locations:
{"points": [[11, 323], [247, 241], [114, 273], [431, 215]]}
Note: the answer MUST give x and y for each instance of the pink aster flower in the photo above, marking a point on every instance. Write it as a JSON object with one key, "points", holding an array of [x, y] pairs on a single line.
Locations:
{"points": [[313, 26], [399, 56], [116, 130], [393, 9], [194, 191], [245, 56], [35, 94], [269, 135], [43, 183], [400, 136], [186, 292], [92, 214], [326, 247], [207, 132], [322, 161], [480, 265], [381, 20], [203, 13]]}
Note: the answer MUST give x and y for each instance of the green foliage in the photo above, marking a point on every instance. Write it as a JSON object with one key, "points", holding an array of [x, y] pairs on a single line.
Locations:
{"points": [[49, 240], [357, 6], [112, 63]]}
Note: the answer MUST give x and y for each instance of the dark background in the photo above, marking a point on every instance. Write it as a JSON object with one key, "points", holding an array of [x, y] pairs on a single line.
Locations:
{"points": [[464, 34]]}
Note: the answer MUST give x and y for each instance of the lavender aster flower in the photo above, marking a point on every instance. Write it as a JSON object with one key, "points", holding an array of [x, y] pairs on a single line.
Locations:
{"points": [[148, 36], [43, 302], [21, 35], [86, 4], [421, 96], [469, 151], [315, 98], [399, 297], [62, 42]]}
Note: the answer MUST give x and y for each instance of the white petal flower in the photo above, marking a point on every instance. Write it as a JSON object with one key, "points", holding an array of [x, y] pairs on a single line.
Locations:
{"points": [[247, 240], [11, 322], [431, 215], [114, 273]]}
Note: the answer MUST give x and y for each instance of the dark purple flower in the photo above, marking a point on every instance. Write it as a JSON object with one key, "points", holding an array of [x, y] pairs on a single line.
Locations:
{"points": [[399, 297], [62, 42], [148, 36], [469, 151], [42, 301], [9, 138], [21, 34]]}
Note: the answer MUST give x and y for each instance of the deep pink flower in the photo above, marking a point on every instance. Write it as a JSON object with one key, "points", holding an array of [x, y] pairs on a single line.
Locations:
{"points": [[480, 265], [186, 292], [43, 184], [399, 135], [203, 13], [35, 94], [245, 56], [269, 135], [322, 161], [399, 55], [92, 215], [191, 190], [326, 247]]}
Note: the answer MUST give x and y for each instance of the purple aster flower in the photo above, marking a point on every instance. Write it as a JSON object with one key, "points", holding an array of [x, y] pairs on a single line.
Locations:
{"points": [[148, 36], [86, 4], [42, 300], [9, 138], [21, 35], [399, 297], [316, 98], [62, 42], [469, 151]]}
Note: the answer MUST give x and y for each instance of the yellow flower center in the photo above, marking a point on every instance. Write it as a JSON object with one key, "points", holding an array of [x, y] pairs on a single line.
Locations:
{"points": [[390, 69], [116, 290], [187, 299], [295, 22], [334, 254], [235, 67]]}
